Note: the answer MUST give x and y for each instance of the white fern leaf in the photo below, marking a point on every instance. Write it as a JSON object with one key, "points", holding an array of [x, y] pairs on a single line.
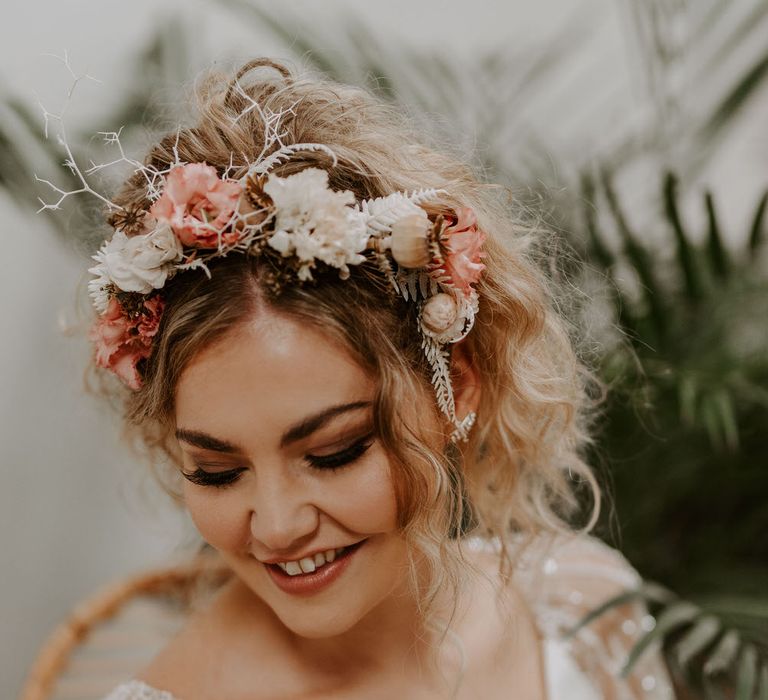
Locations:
{"points": [[382, 212], [438, 360], [424, 285], [385, 266], [407, 284], [412, 280]]}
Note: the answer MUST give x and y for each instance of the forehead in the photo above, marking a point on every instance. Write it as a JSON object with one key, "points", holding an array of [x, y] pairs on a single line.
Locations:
{"points": [[265, 375]]}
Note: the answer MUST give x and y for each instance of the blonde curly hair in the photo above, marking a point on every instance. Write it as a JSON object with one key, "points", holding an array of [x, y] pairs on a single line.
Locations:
{"points": [[523, 466]]}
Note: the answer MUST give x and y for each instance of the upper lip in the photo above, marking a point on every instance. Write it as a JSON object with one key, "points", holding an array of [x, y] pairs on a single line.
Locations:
{"points": [[306, 555]]}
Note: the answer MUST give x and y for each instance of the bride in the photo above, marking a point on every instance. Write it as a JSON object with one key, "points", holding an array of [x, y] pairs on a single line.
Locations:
{"points": [[341, 344]]}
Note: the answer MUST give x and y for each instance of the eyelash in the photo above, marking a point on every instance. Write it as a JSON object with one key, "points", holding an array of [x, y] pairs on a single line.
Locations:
{"points": [[331, 462]]}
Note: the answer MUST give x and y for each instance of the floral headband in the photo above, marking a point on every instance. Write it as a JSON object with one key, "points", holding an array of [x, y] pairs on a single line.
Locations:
{"points": [[197, 215]]}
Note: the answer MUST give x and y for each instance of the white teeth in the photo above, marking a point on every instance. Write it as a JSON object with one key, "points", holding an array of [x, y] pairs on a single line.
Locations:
{"points": [[292, 568], [307, 565]]}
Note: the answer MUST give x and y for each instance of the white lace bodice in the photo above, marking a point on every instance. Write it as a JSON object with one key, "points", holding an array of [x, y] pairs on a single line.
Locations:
{"points": [[563, 579]]}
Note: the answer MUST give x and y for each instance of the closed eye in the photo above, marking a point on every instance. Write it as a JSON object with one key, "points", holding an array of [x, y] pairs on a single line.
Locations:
{"points": [[201, 477], [343, 457], [330, 462]]}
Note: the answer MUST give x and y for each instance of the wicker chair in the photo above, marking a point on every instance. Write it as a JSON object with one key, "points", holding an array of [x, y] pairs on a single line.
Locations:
{"points": [[111, 636]]}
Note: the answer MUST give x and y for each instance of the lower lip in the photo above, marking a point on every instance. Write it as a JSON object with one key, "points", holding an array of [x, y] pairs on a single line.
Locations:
{"points": [[309, 584]]}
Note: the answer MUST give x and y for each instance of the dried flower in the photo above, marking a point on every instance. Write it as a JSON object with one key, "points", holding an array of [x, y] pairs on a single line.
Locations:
{"points": [[198, 205], [462, 244], [439, 313], [254, 189], [134, 264], [131, 220], [122, 340], [410, 240], [314, 222]]}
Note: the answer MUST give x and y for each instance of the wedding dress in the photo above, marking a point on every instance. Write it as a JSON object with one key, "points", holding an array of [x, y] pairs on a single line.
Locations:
{"points": [[563, 579]]}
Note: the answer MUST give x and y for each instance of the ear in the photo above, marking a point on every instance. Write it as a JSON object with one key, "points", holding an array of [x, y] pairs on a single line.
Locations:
{"points": [[465, 379]]}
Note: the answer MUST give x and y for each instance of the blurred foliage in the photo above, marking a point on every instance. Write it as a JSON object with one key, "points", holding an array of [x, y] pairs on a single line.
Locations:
{"points": [[685, 425], [684, 435], [716, 648]]}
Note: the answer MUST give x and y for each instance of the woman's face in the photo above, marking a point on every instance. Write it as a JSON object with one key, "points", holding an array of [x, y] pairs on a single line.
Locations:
{"points": [[283, 474]]}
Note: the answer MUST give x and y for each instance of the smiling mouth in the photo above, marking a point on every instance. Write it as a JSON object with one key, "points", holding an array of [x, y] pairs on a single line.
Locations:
{"points": [[310, 565], [312, 574]]}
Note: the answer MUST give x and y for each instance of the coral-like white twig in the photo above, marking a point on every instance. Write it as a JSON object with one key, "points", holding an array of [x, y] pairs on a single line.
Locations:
{"points": [[286, 152], [70, 162]]}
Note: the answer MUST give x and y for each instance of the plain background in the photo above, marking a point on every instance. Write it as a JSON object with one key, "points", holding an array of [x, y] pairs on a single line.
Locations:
{"points": [[76, 510]]}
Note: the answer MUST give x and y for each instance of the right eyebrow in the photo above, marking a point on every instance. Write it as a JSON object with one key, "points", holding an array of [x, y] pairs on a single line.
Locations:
{"points": [[206, 442]]}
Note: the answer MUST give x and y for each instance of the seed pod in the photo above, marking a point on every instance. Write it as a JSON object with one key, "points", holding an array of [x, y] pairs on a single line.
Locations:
{"points": [[439, 313], [249, 213], [410, 244]]}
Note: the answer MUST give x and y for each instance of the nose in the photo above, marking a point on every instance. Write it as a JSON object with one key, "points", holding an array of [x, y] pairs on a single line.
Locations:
{"points": [[282, 517]]}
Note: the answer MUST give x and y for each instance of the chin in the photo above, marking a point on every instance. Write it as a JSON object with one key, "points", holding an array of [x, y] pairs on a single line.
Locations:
{"points": [[374, 575], [323, 623]]}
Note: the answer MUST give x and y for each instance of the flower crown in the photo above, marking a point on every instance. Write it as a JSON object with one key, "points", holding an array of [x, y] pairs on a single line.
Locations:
{"points": [[432, 260]]}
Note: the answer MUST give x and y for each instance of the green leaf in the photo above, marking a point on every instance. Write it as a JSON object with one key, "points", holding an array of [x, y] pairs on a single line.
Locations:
{"points": [[676, 615], [738, 605], [756, 231], [598, 250], [639, 258], [710, 416], [685, 251], [688, 392], [616, 601], [700, 636], [727, 415], [747, 673], [762, 685], [743, 89], [724, 654], [718, 257]]}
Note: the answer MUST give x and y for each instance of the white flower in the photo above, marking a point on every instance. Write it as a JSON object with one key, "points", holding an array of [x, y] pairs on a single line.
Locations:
{"points": [[98, 288], [134, 264], [314, 222]]}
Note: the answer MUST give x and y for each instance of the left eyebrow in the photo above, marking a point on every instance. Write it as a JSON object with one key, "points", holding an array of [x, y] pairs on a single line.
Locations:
{"points": [[295, 433], [313, 423]]}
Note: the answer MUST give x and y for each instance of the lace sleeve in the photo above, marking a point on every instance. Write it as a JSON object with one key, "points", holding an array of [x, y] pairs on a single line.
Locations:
{"points": [[135, 690], [564, 580]]}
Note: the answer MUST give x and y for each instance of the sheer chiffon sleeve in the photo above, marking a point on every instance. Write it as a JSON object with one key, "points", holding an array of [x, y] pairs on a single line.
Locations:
{"points": [[563, 580]]}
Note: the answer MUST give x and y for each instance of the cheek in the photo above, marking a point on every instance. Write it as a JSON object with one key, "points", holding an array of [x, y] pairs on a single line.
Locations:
{"points": [[219, 517], [365, 498]]}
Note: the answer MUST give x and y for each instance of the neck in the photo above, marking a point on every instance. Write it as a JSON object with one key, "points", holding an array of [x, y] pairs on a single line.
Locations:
{"points": [[394, 638]]}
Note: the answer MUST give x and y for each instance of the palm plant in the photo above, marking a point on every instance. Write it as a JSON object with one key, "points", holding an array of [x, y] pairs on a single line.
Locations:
{"points": [[684, 435]]}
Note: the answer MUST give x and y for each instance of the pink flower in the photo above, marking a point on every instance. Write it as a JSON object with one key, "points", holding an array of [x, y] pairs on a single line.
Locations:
{"points": [[123, 340], [198, 204], [463, 246], [149, 321]]}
